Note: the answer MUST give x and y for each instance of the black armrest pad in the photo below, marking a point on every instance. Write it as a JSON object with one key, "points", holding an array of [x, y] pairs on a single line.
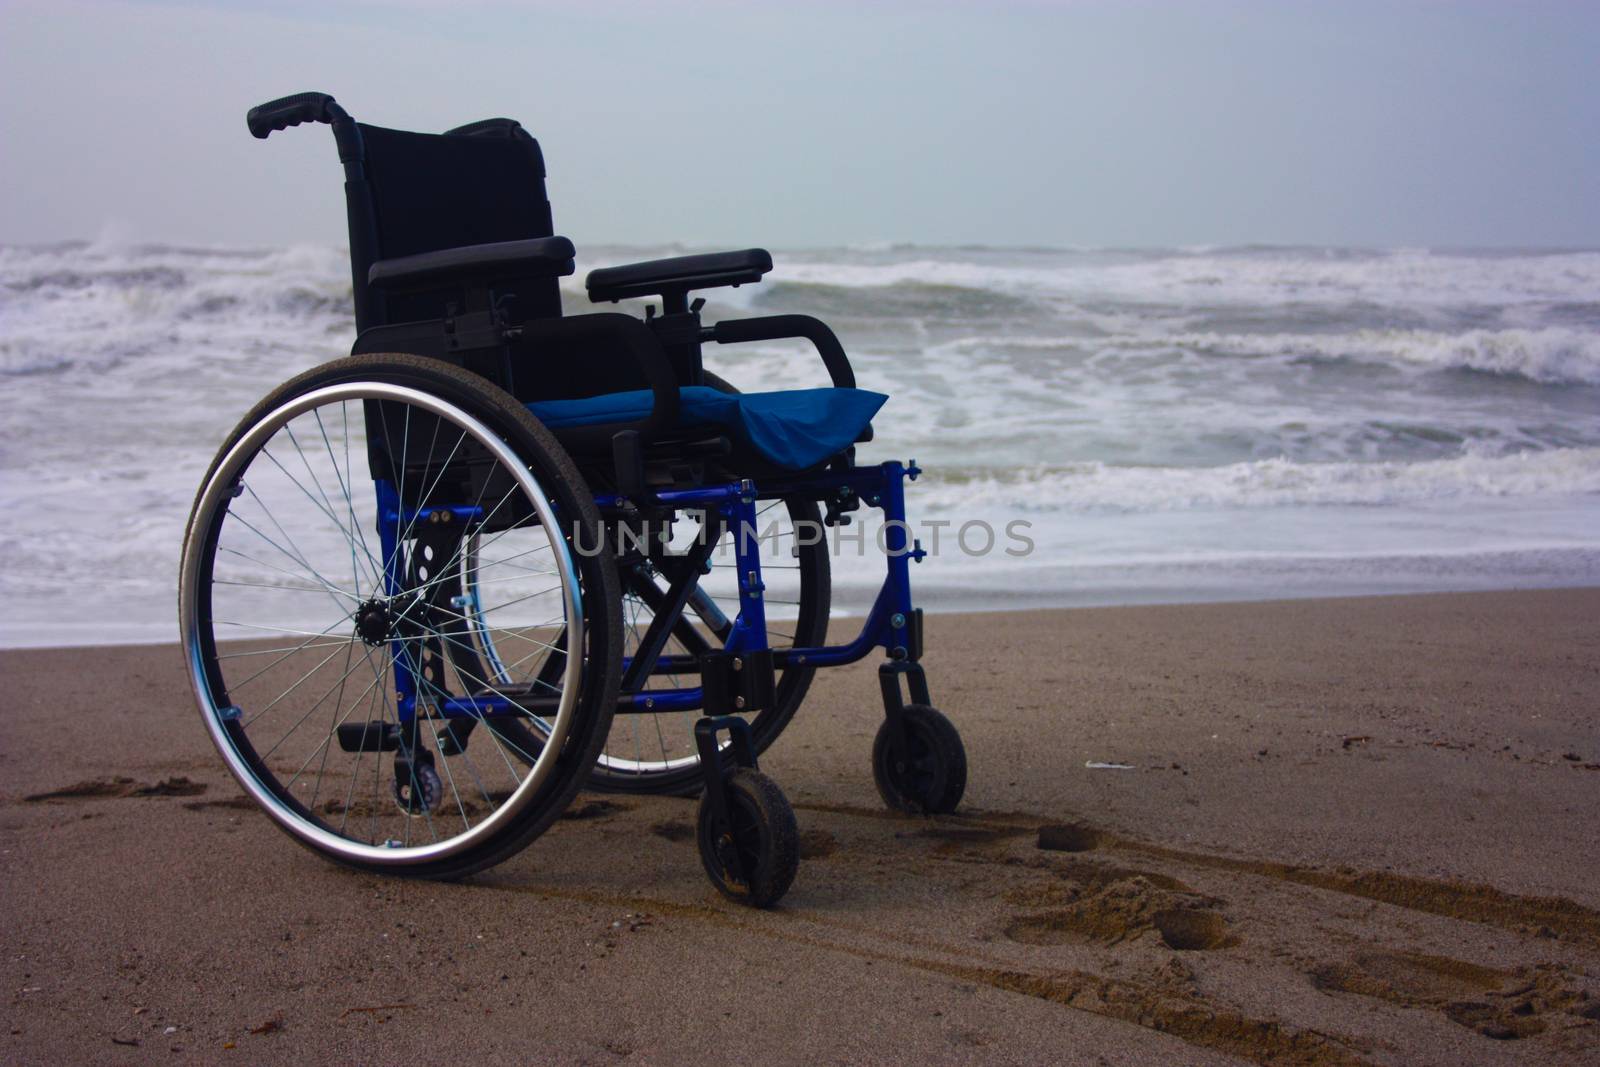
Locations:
{"points": [[683, 273], [538, 257]]}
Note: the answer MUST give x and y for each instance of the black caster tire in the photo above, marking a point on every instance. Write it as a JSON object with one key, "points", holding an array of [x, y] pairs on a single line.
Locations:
{"points": [[419, 791], [930, 778], [765, 835]]}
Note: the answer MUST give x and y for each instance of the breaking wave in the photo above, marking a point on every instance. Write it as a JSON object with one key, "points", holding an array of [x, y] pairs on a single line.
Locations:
{"points": [[1270, 483], [1553, 355], [1146, 405]]}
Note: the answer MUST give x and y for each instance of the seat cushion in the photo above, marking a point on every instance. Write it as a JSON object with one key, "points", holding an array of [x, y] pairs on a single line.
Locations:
{"points": [[792, 429]]}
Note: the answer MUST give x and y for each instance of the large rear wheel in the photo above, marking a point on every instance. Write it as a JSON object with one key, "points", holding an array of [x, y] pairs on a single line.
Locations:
{"points": [[328, 569]]}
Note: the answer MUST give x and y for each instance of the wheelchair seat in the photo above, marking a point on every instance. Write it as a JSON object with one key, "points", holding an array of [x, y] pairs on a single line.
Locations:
{"points": [[790, 430]]}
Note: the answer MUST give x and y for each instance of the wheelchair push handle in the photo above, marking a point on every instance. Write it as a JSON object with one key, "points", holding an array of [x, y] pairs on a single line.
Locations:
{"points": [[288, 111]]}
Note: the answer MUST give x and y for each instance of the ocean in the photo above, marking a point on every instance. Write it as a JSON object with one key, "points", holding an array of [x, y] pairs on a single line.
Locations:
{"points": [[1135, 426]]}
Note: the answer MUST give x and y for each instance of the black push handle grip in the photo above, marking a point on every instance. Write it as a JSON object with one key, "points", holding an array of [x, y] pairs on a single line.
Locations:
{"points": [[288, 111]]}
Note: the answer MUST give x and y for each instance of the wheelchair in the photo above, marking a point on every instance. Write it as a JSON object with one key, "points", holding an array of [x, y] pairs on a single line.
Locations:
{"points": [[499, 553]]}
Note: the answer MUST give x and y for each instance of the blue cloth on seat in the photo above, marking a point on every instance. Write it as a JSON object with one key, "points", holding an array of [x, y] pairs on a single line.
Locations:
{"points": [[793, 429]]}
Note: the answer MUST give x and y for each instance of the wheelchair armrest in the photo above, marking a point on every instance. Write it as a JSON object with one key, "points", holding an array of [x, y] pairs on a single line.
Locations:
{"points": [[775, 327], [680, 274], [540, 257]]}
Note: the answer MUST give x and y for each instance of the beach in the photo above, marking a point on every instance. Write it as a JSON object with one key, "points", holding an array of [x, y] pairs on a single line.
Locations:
{"points": [[1229, 373], [1319, 831]]}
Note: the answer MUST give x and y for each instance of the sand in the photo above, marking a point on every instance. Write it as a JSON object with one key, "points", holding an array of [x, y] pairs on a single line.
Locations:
{"points": [[1354, 831]]}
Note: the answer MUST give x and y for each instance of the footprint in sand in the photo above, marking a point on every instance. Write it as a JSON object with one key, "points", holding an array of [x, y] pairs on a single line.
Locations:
{"points": [[1095, 874], [1193, 929], [959, 841], [673, 830], [1557, 917], [814, 844], [1121, 911], [228, 803], [101, 788], [1071, 837], [359, 809], [1500, 1004], [595, 809]]}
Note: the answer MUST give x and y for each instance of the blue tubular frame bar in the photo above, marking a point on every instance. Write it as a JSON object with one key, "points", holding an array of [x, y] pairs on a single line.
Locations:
{"points": [[394, 570], [887, 624]]}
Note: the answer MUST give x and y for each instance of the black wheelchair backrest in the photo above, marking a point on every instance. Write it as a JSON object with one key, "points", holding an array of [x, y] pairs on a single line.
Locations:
{"points": [[422, 192]]}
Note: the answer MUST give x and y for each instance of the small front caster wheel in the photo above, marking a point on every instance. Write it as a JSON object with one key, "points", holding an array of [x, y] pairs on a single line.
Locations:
{"points": [[753, 861], [929, 776], [417, 788]]}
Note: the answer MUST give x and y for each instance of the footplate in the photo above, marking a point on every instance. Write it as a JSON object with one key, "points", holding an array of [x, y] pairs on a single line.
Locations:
{"points": [[368, 736]]}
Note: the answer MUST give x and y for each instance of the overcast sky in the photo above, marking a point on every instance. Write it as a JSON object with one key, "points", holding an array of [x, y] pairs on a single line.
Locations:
{"points": [[1078, 122]]}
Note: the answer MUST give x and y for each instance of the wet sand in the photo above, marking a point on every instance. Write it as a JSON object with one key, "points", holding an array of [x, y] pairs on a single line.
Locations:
{"points": [[1352, 831]]}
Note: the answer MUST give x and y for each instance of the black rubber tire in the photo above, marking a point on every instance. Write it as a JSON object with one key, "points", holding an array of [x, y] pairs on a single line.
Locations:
{"points": [[933, 776], [599, 586], [765, 834], [811, 631]]}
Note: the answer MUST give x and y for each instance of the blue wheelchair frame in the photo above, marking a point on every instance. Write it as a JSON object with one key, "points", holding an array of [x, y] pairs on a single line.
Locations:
{"points": [[892, 624]]}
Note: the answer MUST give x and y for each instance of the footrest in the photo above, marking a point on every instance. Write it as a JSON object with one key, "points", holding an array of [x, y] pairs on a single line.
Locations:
{"points": [[369, 737], [736, 682]]}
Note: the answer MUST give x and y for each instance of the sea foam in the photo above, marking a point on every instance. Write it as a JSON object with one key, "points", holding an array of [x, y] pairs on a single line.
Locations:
{"points": [[1271, 483]]}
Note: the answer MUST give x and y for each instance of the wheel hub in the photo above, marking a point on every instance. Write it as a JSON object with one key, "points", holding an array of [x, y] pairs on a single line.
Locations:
{"points": [[728, 856], [374, 623]]}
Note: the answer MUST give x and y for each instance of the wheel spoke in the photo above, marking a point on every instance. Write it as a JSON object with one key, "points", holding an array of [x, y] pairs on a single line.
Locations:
{"points": [[271, 515], [327, 505], [307, 643]]}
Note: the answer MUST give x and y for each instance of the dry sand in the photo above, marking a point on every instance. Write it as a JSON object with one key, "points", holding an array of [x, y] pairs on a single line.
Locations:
{"points": [[1355, 831]]}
